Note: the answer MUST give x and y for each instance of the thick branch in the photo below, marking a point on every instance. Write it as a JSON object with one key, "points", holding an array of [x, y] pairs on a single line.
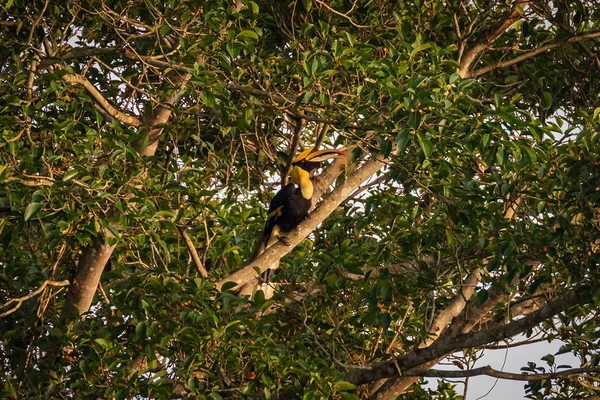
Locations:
{"points": [[328, 205], [398, 385], [488, 37], [444, 318], [90, 267], [154, 119], [94, 257], [80, 52], [113, 112], [530, 54], [387, 369]]}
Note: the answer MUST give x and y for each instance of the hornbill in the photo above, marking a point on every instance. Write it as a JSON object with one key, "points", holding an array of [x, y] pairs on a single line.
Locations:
{"points": [[292, 202]]}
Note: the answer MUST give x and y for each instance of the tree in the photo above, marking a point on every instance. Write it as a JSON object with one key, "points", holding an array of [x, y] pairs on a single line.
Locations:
{"points": [[141, 144]]}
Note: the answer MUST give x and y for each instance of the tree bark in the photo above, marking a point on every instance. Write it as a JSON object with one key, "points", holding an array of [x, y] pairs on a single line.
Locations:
{"points": [[84, 285]]}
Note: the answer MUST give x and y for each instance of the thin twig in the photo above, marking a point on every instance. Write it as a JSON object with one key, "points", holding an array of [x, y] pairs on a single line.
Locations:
{"points": [[20, 300], [192, 249], [532, 53], [293, 145]]}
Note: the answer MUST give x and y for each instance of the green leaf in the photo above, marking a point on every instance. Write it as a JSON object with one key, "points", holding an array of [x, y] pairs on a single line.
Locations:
{"points": [[207, 98], [233, 49], [426, 145], [307, 4], [419, 49], [104, 343], [596, 112], [498, 100], [164, 214], [32, 210], [343, 385], [249, 34], [402, 141], [546, 100], [414, 120], [465, 83], [266, 305], [493, 264], [70, 175], [254, 7], [122, 394]]}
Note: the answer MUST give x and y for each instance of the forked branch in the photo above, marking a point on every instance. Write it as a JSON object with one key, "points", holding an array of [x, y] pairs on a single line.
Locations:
{"points": [[19, 301]]}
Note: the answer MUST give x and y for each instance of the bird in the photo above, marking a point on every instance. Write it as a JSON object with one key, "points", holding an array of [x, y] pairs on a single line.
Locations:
{"points": [[291, 203]]}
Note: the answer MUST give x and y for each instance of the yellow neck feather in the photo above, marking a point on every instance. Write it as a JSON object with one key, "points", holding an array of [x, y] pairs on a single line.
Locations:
{"points": [[301, 178]]}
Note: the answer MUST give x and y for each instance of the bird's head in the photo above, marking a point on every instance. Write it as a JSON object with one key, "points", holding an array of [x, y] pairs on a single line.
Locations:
{"points": [[310, 159]]}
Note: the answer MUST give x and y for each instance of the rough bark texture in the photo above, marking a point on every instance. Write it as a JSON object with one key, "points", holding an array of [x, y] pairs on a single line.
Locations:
{"points": [[84, 285]]}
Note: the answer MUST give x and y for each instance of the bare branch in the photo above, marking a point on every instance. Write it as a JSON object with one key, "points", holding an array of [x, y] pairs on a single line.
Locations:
{"points": [[293, 145], [489, 371], [20, 300], [324, 4], [192, 249], [532, 53], [32, 181]]}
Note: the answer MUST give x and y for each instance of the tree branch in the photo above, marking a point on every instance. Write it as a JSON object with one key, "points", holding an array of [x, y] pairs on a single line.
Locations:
{"points": [[489, 371], [530, 54], [155, 118], [20, 300], [386, 369], [488, 37], [328, 205], [80, 52], [113, 112], [192, 249], [293, 145]]}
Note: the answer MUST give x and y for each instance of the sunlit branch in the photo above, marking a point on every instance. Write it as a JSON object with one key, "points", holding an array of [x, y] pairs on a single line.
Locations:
{"points": [[113, 112], [193, 253], [325, 208]]}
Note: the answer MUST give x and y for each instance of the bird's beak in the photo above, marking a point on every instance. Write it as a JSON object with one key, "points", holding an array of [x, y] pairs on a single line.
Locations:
{"points": [[319, 156]]}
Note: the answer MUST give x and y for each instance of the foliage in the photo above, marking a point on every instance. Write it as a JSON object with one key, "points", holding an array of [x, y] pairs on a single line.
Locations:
{"points": [[463, 148]]}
